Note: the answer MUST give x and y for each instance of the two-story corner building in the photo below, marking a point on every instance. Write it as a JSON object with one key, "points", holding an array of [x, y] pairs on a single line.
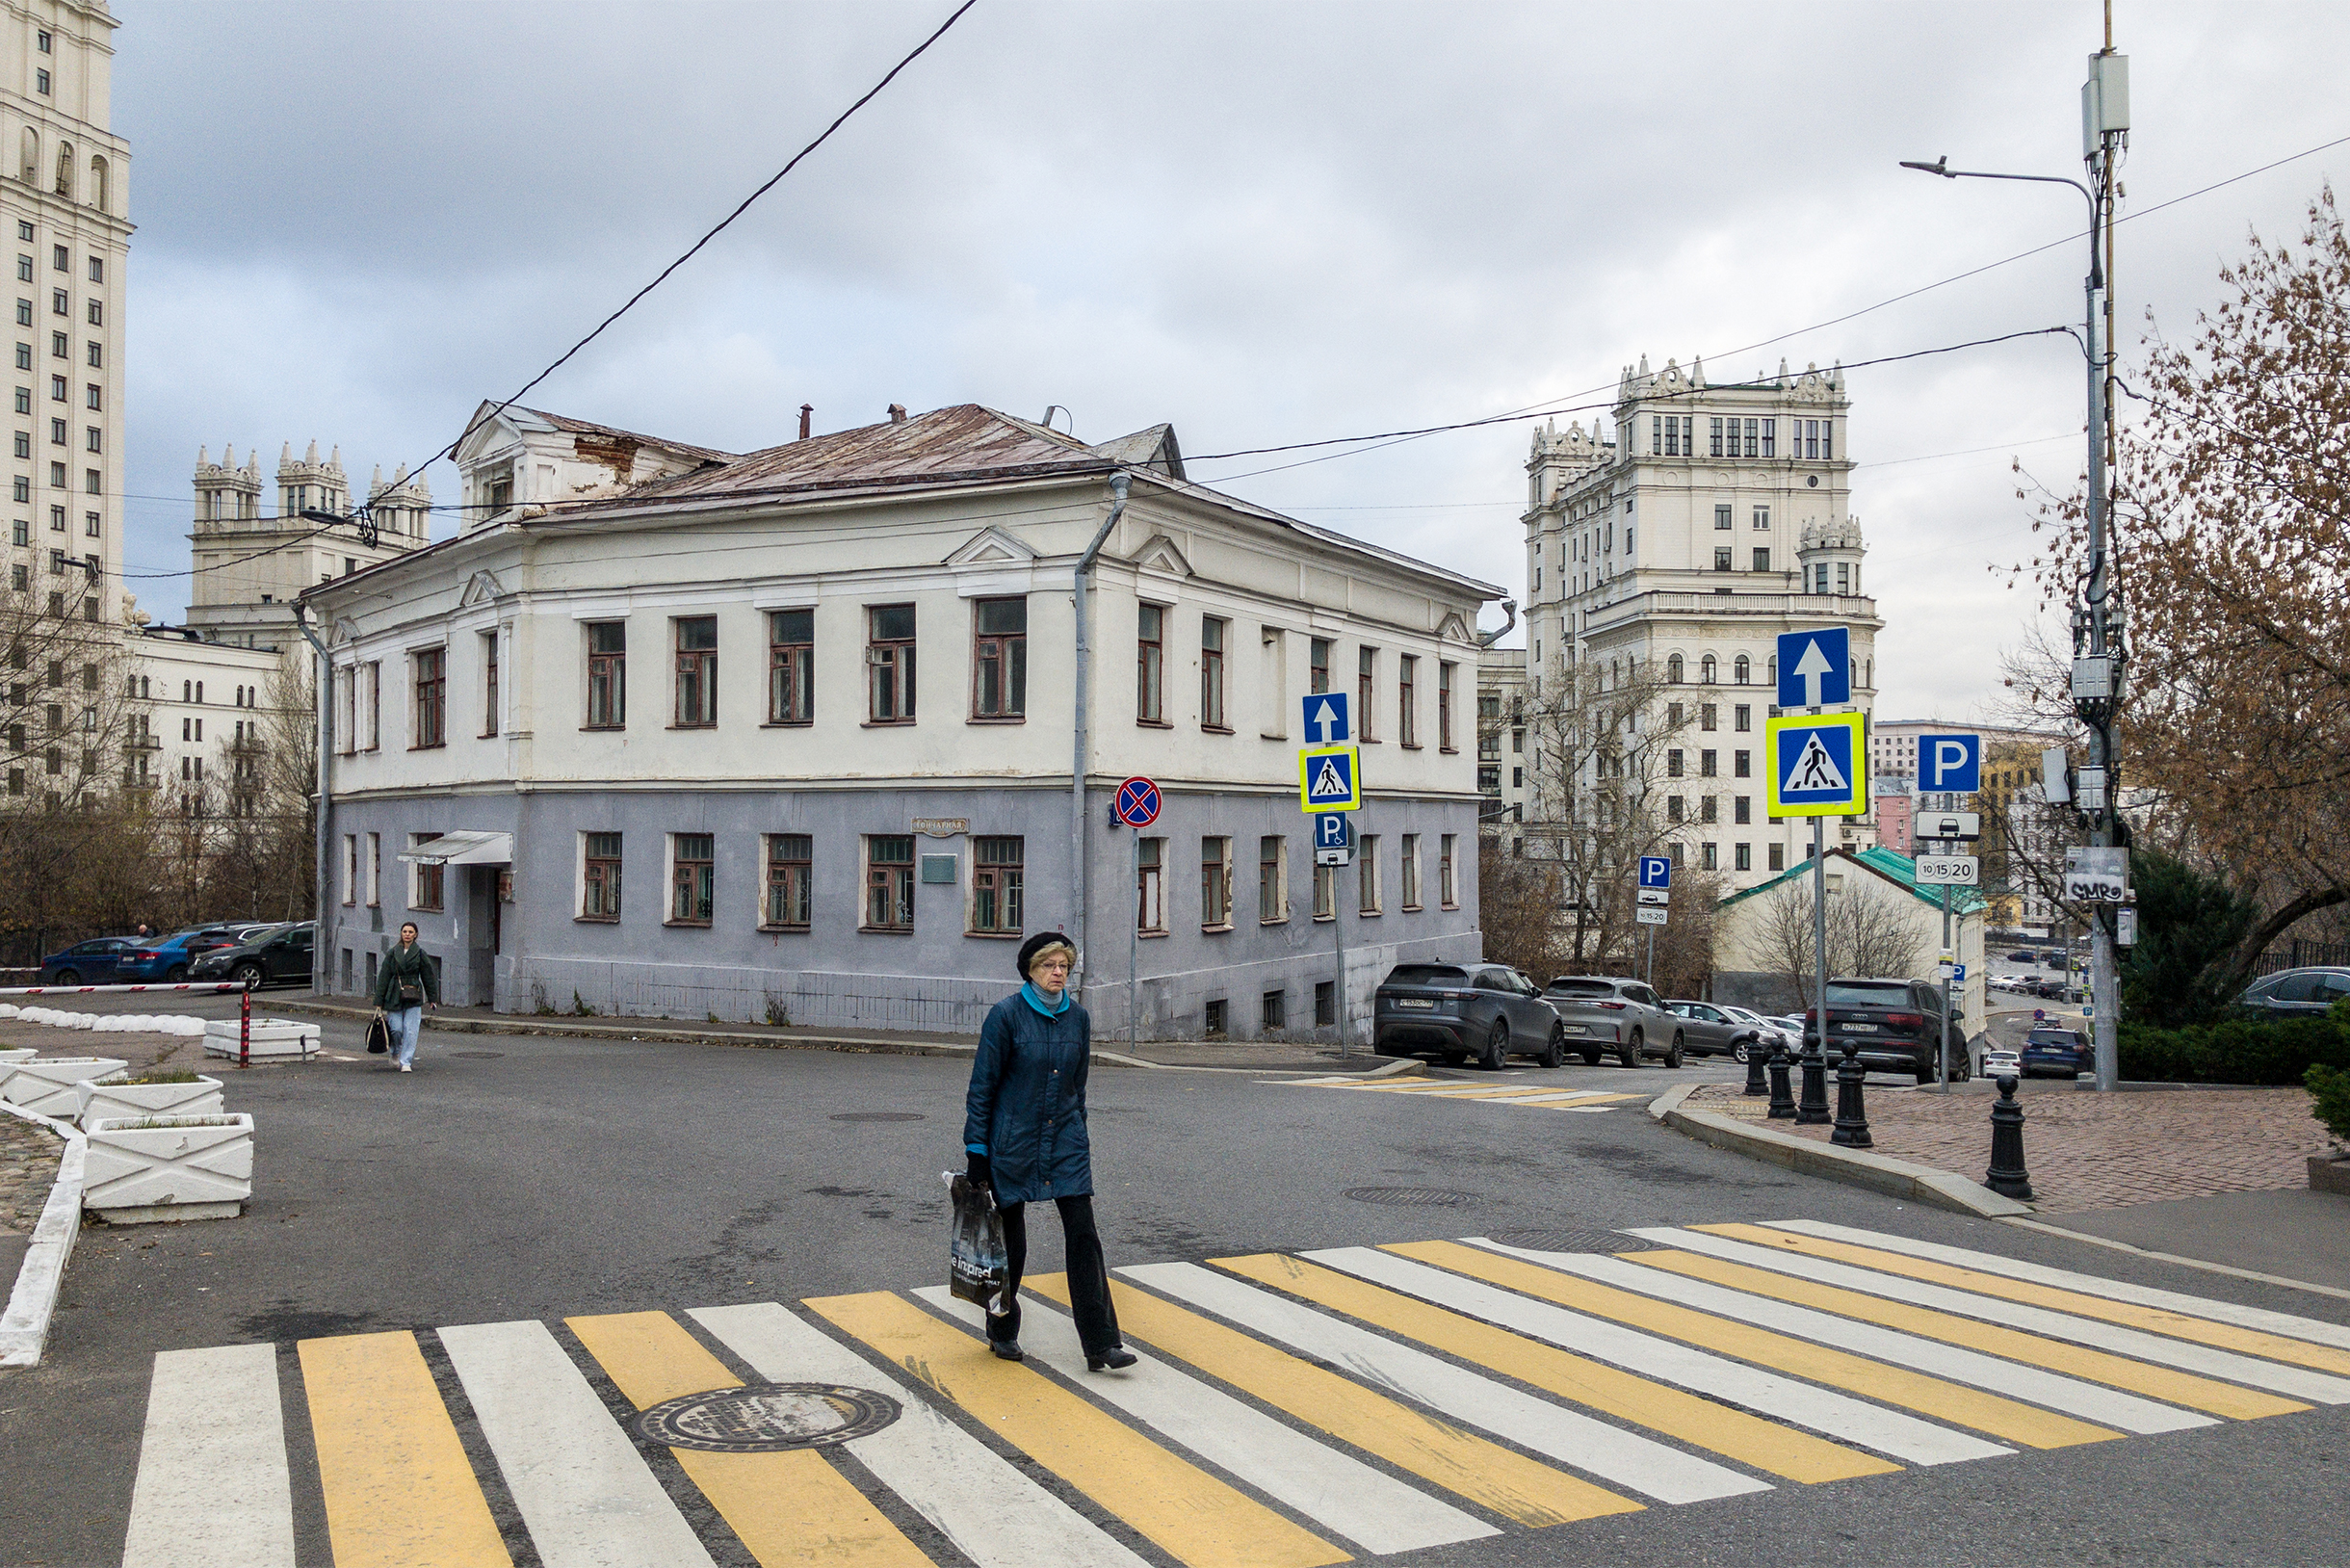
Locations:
{"points": [[1680, 538], [789, 735]]}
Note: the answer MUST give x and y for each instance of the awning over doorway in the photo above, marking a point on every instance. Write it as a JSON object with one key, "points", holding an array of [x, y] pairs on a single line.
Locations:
{"points": [[467, 848]]}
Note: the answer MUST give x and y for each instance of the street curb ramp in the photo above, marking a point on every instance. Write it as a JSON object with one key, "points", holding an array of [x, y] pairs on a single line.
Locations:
{"points": [[24, 1326], [1855, 1168]]}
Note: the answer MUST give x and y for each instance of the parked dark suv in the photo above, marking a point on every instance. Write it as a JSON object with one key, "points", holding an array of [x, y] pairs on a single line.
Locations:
{"points": [[273, 953], [2065, 1053], [2296, 993], [1895, 1023], [1489, 1011]]}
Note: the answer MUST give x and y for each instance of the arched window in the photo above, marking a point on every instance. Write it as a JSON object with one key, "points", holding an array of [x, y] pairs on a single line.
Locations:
{"points": [[97, 183], [1707, 669], [1855, 676], [64, 169], [1868, 669], [1742, 669], [187, 689], [32, 156], [1773, 677], [1672, 670]]}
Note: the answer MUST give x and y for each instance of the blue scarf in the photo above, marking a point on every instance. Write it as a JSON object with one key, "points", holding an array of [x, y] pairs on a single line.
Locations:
{"points": [[1035, 998]]}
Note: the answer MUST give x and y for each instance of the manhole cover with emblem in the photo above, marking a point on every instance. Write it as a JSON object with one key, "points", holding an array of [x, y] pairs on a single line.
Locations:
{"points": [[1413, 1198], [880, 1115], [768, 1416]]}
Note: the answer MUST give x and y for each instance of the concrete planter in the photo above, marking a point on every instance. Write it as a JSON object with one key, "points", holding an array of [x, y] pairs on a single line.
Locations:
{"points": [[2329, 1175], [46, 1085], [143, 1169], [130, 1100], [274, 1040]]}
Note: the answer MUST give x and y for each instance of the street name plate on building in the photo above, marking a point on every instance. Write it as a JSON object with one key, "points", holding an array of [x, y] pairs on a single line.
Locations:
{"points": [[942, 827], [1946, 871], [1648, 914]]}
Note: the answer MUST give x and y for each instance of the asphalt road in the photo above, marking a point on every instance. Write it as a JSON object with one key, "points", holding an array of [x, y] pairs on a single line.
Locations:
{"points": [[522, 1177]]}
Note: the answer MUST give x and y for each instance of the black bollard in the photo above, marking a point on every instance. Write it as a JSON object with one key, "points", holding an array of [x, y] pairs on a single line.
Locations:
{"points": [[1851, 1116], [1782, 1097], [1756, 1084], [1814, 1107], [2007, 1176]]}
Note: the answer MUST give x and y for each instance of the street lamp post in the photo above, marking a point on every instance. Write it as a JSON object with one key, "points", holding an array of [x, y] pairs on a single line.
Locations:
{"points": [[2097, 649]]}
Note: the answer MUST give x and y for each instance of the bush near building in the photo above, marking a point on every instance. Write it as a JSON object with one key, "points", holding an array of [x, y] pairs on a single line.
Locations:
{"points": [[2235, 1051]]}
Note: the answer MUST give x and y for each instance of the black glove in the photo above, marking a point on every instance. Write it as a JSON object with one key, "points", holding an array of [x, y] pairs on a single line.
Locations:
{"points": [[975, 1169]]}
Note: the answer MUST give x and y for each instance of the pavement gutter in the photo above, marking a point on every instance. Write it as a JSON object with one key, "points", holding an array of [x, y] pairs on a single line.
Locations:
{"points": [[24, 1326], [1855, 1168]]}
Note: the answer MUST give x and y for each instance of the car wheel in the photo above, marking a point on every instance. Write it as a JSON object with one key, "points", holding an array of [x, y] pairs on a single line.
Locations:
{"points": [[176, 974], [1672, 1058], [249, 975], [1496, 1047], [1554, 1049], [67, 977], [1630, 1055], [1739, 1053]]}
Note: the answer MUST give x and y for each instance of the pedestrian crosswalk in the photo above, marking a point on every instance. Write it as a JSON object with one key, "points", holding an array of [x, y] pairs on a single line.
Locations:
{"points": [[1547, 1096], [1291, 1410]]}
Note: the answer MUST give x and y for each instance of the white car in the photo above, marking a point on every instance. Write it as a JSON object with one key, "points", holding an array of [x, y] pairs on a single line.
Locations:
{"points": [[1999, 1064], [1770, 1031]]}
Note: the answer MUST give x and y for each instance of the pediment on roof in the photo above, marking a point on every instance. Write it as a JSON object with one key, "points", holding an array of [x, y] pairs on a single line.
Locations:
{"points": [[992, 546], [1159, 554], [489, 429], [1453, 629], [343, 632], [480, 589]]}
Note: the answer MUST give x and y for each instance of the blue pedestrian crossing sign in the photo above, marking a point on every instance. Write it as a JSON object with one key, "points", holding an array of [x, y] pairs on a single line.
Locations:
{"points": [[1815, 668], [1952, 763], [1330, 778], [1819, 766], [1328, 719], [1655, 871]]}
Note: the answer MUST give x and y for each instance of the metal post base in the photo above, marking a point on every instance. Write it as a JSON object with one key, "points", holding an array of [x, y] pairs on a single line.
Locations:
{"points": [[2007, 1176], [1813, 1110], [1851, 1116]]}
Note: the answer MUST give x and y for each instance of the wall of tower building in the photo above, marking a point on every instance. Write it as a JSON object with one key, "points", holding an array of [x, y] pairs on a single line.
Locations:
{"points": [[252, 562]]}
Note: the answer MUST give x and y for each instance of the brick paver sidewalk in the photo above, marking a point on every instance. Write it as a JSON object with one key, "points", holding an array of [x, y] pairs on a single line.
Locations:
{"points": [[2084, 1150]]}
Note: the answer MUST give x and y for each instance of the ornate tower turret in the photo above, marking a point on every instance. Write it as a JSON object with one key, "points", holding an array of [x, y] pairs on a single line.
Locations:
{"points": [[311, 484], [226, 493], [1829, 556]]}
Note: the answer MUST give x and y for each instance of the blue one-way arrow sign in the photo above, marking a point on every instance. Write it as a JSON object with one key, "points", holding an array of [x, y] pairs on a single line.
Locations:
{"points": [[1327, 719], [1815, 668]]}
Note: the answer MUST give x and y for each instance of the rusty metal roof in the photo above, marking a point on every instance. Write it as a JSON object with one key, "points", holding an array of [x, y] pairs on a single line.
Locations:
{"points": [[583, 427]]}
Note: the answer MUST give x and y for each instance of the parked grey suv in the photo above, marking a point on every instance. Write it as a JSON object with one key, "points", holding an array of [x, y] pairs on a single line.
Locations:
{"points": [[1621, 1018], [1708, 1030], [2296, 993], [1489, 1011]]}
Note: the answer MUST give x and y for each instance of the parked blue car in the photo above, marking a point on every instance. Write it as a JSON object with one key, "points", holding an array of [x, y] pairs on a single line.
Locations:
{"points": [[87, 963], [165, 959], [2061, 1052]]}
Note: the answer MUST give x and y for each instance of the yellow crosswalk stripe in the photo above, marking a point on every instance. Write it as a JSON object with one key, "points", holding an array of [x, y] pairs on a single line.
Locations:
{"points": [[1701, 1423], [1485, 1473], [1188, 1514], [2154, 1319], [1934, 1397], [400, 1491], [787, 1507], [2205, 1394]]}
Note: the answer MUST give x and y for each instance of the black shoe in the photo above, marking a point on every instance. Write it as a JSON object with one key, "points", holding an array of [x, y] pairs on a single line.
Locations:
{"points": [[1007, 1349], [1115, 1359]]}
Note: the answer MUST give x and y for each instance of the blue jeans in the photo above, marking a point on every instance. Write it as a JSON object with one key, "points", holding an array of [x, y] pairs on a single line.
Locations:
{"points": [[405, 1023]]}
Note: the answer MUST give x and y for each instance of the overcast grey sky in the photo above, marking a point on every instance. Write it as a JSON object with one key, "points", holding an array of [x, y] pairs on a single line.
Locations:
{"points": [[1265, 222]]}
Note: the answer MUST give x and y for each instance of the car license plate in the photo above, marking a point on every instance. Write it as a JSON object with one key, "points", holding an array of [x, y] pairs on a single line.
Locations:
{"points": [[1858, 1029], [1571, 1028], [1419, 1002]]}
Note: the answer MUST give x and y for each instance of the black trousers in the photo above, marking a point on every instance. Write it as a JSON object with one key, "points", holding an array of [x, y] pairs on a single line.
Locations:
{"points": [[1097, 1320]]}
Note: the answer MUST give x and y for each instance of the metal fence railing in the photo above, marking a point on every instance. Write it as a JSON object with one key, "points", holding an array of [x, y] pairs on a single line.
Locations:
{"points": [[2302, 955]]}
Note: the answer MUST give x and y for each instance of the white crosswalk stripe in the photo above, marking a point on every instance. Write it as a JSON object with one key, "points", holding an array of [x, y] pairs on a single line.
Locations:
{"points": [[213, 1489]]}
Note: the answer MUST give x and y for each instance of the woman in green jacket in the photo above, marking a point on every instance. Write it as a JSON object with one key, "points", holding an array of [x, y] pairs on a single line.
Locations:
{"points": [[405, 987]]}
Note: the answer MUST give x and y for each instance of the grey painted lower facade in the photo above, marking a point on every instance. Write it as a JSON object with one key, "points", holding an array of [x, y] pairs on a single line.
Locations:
{"points": [[529, 951]]}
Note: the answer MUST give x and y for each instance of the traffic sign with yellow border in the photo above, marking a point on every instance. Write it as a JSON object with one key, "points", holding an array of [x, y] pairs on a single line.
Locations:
{"points": [[1330, 778], [1818, 765]]}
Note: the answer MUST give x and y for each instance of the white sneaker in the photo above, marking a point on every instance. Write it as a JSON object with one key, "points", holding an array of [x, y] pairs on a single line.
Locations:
{"points": [[405, 1068]]}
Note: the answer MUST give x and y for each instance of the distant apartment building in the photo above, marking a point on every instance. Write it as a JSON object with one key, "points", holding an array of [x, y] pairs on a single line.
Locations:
{"points": [[789, 734]]}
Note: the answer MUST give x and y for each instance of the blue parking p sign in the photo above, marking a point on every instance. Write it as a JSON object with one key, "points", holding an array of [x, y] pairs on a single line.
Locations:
{"points": [[1333, 830], [1655, 871], [1952, 763]]}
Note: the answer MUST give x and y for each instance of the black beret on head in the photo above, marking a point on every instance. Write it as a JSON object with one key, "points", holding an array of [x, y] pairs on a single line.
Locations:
{"points": [[1036, 944]]}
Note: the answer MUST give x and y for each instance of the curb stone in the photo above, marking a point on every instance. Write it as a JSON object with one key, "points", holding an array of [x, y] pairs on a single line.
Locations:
{"points": [[1880, 1173], [24, 1325]]}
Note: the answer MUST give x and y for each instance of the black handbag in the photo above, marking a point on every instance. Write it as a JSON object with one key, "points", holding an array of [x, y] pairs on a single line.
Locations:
{"points": [[378, 1036]]}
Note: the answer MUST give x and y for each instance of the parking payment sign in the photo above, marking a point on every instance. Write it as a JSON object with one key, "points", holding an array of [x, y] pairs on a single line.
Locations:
{"points": [[1819, 766]]}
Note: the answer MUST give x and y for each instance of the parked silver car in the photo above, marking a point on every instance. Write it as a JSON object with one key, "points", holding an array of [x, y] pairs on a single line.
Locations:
{"points": [[1624, 1019], [1709, 1031], [1766, 1030]]}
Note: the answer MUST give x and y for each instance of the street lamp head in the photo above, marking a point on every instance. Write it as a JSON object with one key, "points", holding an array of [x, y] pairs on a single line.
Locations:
{"points": [[1940, 165]]}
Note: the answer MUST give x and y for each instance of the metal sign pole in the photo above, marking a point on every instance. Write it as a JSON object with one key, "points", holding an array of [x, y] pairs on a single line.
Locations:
{"points": [[1133, 942], [1820, 924], [1338, 942], [1652, 958], [1941, 1050]]}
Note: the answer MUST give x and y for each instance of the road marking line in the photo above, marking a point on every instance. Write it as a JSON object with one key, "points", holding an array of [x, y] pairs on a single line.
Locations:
{"points": [[1838, 1415], [2145, 1296], [212, 1488], [1709, 1260], [1636, 1463], [582, 1487], [2081, 1304], [1442, 1088], [786, 1508], [1487, 1340], [2290, 1381], [1933, 1396], [399, 1488], [1498, 1478], [1192, 1516], [995, 1515], [2092, 1402], [1371, 1508]]}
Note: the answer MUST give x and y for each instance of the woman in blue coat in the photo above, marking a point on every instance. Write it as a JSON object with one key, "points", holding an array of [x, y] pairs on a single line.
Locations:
{"points": [[1024, 1132]]}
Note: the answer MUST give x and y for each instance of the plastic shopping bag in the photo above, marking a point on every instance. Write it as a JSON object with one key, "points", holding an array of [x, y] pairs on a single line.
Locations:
{"points": [[978, 1268]]}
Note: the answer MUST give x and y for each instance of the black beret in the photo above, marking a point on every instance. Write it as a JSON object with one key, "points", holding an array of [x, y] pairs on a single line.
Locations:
{"points": [[1038, 943]]}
